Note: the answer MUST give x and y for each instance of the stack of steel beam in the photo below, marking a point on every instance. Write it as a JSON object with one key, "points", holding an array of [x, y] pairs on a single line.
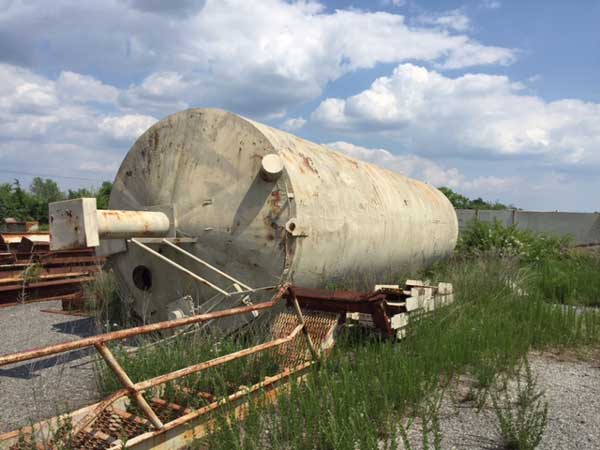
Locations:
{"points": [[29, 271]]}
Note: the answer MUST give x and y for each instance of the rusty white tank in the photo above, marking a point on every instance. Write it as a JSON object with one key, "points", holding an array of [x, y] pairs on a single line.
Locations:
{"points": [[242, 206], [267, 206]]}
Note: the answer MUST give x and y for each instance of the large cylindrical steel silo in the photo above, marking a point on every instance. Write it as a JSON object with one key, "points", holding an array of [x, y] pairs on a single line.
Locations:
{"points": [[267, 206]]}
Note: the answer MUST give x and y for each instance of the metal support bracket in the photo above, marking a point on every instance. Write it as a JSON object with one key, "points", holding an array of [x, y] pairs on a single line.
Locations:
{"points": [[179, 267]]}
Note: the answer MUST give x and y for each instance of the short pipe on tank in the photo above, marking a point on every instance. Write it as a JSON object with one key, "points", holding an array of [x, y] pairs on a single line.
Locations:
{"points": [[78, 223], [271, 167], [121, 224]]}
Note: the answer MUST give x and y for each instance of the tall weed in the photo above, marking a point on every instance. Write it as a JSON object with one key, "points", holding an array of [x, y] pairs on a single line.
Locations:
{"points": [[549, 267], [365, 387], [521, 420]]}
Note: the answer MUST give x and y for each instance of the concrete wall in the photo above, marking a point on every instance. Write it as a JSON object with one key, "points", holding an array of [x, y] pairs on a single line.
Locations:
{"points": [[583, 227]]}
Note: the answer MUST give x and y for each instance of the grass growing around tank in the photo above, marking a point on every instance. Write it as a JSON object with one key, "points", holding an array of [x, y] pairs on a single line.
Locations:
{"points": [[365, 394], [570, 280], [162, 355], [549, 265], [365, 390], [102, 300]]}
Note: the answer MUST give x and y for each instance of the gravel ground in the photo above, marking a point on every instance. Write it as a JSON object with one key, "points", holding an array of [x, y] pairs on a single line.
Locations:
{"points": [[572, 390], [50, 386], [32, 391]]}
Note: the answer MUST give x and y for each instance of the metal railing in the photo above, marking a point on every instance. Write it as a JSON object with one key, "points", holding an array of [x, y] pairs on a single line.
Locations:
{"points": [[135, 390]]}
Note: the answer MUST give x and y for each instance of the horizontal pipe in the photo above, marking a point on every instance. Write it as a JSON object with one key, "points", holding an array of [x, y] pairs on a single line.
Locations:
{"points": [[144, 329], [120, 224]]}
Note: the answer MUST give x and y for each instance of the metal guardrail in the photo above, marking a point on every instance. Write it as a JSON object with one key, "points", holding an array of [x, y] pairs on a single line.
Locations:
{"points": [[135, 390], [313, 312]]}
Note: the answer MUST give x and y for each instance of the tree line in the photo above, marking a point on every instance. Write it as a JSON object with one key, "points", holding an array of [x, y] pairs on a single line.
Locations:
{"points": [[32, 203], [461, 202]]}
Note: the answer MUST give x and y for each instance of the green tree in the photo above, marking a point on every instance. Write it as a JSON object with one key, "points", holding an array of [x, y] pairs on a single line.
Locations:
{"points": [[461, 202], [8, 205], [458, 201], [103, 195], [16, 202], [80, 193], [46, 191], [32, 204]]}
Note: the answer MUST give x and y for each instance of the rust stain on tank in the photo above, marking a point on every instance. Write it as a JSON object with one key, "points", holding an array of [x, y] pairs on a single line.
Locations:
{"points": [[275, 202], [308, 163], [113, 214]]}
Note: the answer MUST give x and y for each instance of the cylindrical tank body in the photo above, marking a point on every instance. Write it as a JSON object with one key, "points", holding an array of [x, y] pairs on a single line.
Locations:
{"points": [[319, 218]]}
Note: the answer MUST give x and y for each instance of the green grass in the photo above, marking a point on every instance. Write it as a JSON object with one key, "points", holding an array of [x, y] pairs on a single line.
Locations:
{"points": [[521, 421], [102, 300], [549, 266], [509, 241], [360, 394], [155, 357], [570, 280], [507, 303]]}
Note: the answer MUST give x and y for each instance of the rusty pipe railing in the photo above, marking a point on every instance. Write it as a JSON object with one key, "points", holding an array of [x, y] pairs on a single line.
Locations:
{"points": [[135, 390], [230, 399], [135, 331], [122, 376], [142, 386]]}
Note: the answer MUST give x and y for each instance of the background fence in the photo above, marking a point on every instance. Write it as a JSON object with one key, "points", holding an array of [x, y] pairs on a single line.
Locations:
{"points": [[583, 227]]}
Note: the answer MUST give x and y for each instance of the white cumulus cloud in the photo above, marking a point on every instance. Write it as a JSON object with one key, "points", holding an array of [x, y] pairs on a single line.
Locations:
{"points": [[426, 169], [474, 114], [83, 88], [257, 58], [55, 125], [128, 127], [293, 123], [454, 19]]}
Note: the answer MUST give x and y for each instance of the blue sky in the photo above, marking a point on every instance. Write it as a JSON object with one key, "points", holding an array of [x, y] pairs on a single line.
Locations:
{"points": [[499, 99]]}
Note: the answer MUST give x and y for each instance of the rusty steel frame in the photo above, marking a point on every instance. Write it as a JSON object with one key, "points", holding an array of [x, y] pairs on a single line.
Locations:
{"points": [[195, 424], [134, 390], [42, 290], [16, 270], [294, 299], [60, 277], [374, 303], [19, 280], [135, 331]]}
